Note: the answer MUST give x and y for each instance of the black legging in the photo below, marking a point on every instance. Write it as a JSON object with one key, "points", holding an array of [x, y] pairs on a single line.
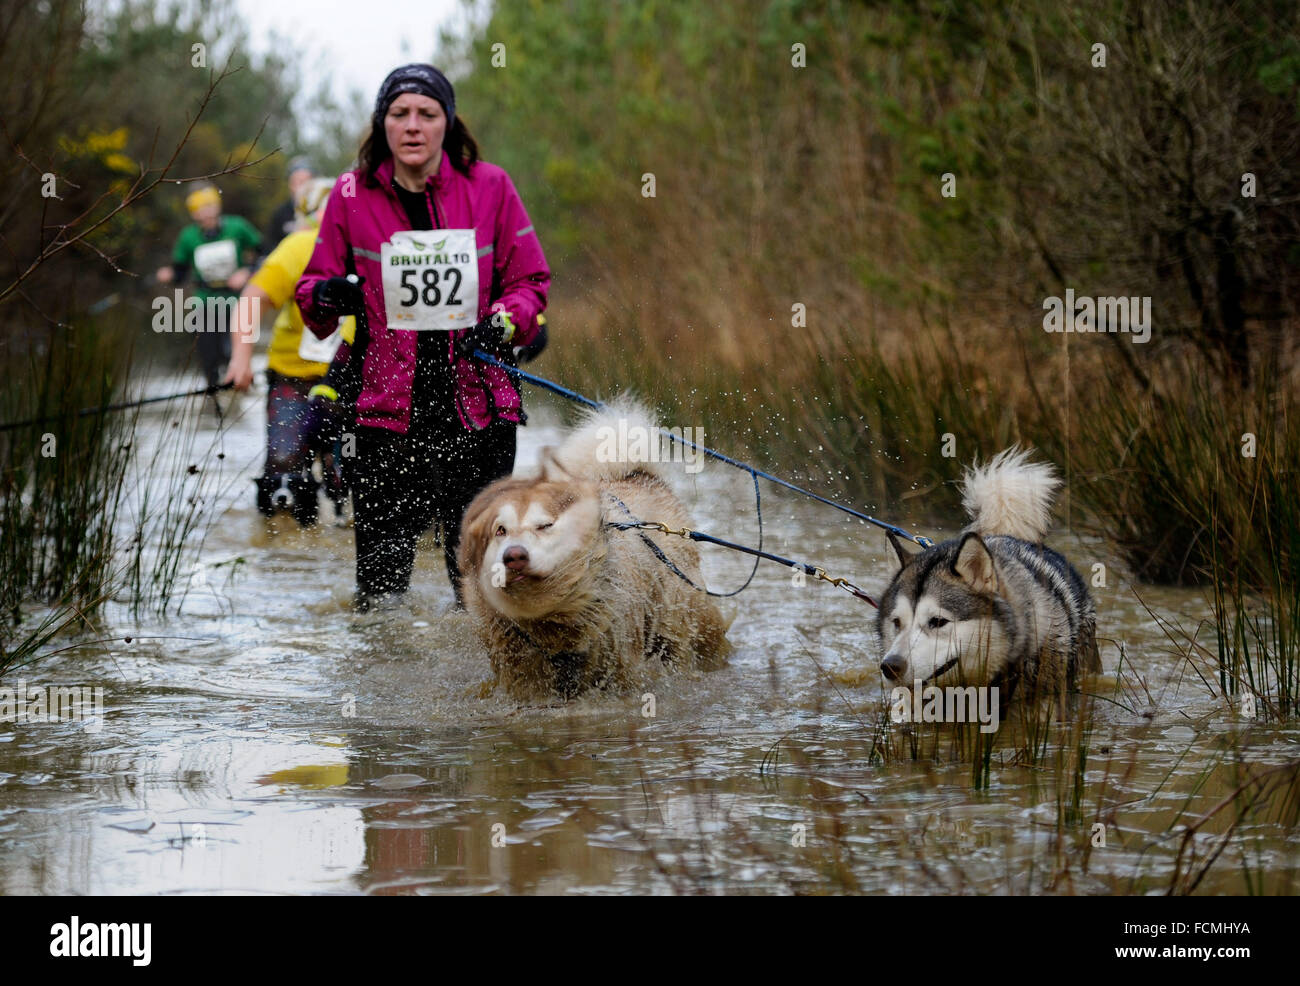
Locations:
{"points": [[401, 484], [214, 352]]}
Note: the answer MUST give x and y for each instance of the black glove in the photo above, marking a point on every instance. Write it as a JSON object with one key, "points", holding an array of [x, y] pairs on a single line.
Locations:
{"points": [[490, 335], [339, 296], [526, 354]]}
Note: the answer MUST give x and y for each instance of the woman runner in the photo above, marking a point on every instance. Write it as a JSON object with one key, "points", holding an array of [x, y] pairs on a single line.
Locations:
{"points": [[447, 261]]}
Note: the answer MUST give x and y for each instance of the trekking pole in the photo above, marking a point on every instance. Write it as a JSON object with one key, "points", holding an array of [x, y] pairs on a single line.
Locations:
{"points": [[350, 388], [85, 412]]}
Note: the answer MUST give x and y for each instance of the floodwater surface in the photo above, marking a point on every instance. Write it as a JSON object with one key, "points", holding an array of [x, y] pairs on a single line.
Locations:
{"points": [[264, 738]]}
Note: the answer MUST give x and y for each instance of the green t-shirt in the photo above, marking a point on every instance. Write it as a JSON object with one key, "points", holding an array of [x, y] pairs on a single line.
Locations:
{"points": [[213, 257]]}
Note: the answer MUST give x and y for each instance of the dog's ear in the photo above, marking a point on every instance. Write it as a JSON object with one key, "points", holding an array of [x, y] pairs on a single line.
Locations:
{"points": [[974, 564], [552, 470], [473, 535], [905, 554]]}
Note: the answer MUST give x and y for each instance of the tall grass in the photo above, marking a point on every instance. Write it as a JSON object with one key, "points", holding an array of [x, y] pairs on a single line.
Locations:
{"points": [[61, 481], [82, 519], [1193, 470], [1196, 483], [1254, 585], [173, 495]]}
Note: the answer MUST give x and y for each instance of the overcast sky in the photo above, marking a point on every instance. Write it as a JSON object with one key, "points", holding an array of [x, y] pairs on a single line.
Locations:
{"points": [[358, 41]]}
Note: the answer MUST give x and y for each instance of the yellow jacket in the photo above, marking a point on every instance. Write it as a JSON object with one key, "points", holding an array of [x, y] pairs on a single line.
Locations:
{"points": [[277, 277]]}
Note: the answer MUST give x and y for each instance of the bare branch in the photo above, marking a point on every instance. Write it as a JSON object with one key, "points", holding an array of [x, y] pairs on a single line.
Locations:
{"points": [[142, 186]]}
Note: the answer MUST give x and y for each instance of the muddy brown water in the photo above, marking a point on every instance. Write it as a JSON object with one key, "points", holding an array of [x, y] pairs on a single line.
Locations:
{"points": [[266, 739]]}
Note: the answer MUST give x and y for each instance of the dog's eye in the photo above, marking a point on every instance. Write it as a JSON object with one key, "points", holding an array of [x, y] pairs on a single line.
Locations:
{"points": [[542, 527], [938, 621], [501, 530]]}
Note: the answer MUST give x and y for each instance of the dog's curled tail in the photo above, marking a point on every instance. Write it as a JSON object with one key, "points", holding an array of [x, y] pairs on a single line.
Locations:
{"points": [[1010, 495], [613, 442]]}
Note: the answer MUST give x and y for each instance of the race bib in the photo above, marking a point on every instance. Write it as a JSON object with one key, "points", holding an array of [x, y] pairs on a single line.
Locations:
{"points": [[431, 279], [315, 350], [216, 261]]}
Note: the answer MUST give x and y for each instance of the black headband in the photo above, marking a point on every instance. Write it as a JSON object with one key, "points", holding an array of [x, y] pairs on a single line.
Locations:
{"points": [[424, 79]]}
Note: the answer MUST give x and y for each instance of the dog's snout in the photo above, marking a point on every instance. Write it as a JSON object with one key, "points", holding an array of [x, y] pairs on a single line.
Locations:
{"points": [[894, 667], [515, 558]]}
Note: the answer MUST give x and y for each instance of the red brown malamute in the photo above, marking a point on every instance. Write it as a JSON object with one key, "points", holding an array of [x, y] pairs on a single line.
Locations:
{"points": [[564, 601]]}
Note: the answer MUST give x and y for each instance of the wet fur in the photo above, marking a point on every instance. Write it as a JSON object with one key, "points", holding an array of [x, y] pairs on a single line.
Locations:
{"points": [[1014, 612], [601, 611]]}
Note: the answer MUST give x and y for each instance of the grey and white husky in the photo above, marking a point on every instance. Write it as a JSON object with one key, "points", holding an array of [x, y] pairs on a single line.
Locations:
{"points": [[995, 606]]}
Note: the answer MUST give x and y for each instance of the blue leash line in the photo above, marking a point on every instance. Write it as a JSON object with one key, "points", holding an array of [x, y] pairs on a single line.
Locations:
{"points": [[572, 395]]}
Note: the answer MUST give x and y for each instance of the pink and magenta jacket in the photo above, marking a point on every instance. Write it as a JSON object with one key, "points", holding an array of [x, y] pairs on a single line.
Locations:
{"points": [[512, 275]]}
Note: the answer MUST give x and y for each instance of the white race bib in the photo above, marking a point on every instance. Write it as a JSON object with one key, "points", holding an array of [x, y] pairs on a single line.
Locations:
{"points": [[216, 261], [315, 350], [431, 279]]}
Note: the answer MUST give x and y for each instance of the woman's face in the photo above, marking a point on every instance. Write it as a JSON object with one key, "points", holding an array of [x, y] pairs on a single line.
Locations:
{"points": [[415, 125]]}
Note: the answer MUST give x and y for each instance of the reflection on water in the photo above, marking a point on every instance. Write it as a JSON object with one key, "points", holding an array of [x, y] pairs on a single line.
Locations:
{"points": [[269, 740]]}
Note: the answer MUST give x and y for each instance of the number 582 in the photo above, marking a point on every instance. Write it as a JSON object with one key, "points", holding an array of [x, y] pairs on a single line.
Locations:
{"points": [[430, 291]]}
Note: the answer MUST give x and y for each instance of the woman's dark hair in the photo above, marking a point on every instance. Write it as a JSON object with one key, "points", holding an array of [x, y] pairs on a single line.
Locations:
{"points": [[457, 143]]}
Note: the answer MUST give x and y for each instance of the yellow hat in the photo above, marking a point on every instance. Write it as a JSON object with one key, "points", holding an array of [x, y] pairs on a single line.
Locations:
{"points": [[197, 199]]}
